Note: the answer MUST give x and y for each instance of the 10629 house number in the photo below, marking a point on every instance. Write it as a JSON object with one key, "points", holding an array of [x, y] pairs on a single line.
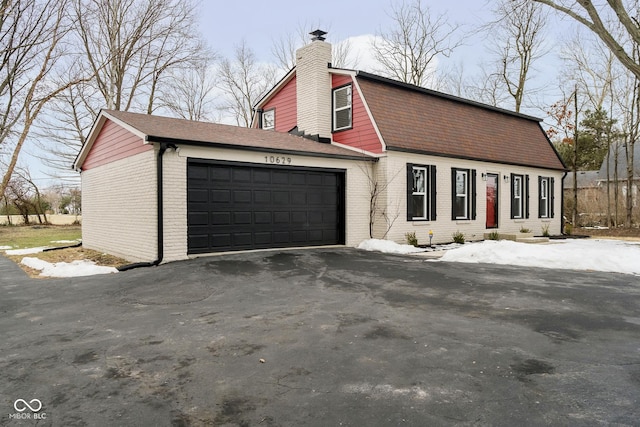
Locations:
{"points": [[277, 160]]}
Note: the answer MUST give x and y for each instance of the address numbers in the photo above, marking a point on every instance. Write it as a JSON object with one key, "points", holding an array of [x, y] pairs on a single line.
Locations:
{"points": [[277, 160]]}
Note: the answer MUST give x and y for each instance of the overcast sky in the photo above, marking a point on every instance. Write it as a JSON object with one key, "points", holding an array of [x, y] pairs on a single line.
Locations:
{"points": [[260, 22]]}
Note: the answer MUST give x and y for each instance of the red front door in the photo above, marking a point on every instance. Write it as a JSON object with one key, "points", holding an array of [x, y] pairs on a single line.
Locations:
{"points": [[492, 200]]}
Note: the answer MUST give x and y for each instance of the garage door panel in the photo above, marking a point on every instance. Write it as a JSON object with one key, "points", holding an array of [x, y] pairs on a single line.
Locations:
{"points": [[281, 217], [242, 218], [198, 218], [242, 239], [220, 196], [198, 195], [280, 197], [262, 176], [198, 173], [221, 173], [298, 198], [249, 207], [220, 218], [262, 218], [262, 196], [220, 240], [280, 177], [242, 196]]}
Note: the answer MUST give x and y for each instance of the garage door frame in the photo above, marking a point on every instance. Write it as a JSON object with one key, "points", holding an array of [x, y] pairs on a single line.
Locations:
{"points": [[340, 176]]}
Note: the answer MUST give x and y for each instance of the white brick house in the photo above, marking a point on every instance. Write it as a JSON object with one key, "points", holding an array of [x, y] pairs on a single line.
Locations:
{"points": [[160, 189]]}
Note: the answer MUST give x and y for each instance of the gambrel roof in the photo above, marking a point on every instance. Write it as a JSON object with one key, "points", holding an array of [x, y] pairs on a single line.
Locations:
{"points": [[415, 119]]}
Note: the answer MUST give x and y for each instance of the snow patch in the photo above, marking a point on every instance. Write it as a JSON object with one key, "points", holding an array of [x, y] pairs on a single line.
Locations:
{"points": [[571, 254], [387, 246], [65, 241], [66, 269], [2, 248]]}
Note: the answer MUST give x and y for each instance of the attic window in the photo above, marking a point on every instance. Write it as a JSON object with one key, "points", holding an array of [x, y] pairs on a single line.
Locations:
{"points": [[342, 108], [269, 119]]}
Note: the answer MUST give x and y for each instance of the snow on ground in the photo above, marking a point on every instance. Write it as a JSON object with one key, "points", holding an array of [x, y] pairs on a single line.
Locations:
{"points": [[65, 241], [387, 246], [66, 269], [574, 254], [2, 248]]}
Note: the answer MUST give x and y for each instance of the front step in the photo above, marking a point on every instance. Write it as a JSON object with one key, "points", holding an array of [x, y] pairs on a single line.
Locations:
{"points": [[519, 237]]}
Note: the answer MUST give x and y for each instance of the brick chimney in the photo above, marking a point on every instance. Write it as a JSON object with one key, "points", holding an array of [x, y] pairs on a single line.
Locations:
{"points": [[314, 86]]}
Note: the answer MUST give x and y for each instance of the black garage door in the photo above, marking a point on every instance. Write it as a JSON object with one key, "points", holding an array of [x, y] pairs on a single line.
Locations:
{"points": [[235, 206]]}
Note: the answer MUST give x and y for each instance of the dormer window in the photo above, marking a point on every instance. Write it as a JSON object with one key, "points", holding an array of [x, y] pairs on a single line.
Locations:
{"points": [[342, 108], [269, 119]]}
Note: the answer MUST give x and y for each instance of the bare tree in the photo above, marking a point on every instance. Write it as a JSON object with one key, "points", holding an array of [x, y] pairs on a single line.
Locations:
{"points": [[129, 44], [243, 80], [137, 52], [615, 23], [284, 49], [517, 36], [592, 66], [190, 97], [604, 19], [408, 52], [32, 35]]}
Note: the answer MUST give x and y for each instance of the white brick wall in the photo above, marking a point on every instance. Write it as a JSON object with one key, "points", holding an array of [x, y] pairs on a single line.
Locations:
{"points": [[444, 227], [119, 208], [175, 205], [314, 88]]}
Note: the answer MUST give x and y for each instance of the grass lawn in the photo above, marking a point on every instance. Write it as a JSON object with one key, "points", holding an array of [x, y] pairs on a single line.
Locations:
{"points": [[21, 237], [32, 236]]}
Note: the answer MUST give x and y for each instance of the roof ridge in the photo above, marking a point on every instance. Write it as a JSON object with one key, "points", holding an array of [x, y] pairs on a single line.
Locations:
{"points": [[409, 86]]}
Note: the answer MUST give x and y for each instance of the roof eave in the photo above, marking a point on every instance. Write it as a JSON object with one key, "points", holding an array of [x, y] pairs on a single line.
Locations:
{"points": [[479, 159]]}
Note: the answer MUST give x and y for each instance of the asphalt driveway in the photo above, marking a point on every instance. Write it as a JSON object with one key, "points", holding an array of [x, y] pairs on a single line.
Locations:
{"points": [[320, 337]]}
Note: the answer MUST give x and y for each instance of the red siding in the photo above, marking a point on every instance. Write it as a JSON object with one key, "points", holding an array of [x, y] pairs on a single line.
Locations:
{"points": [[286, 107], [363, 134], [113, 143]]}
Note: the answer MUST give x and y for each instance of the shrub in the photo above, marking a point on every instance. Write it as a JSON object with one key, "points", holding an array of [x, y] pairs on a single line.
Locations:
{"points": [[545, 230], [411, 238], [568, 228], [458, 237], [494, 235], [524, 230]]}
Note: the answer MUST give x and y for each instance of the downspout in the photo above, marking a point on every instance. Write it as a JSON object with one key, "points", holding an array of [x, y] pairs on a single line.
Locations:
{"points": [[160, 203], [564, 175]]}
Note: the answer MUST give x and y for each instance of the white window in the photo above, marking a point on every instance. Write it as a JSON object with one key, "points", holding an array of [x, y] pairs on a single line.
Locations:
{"points": [[419, 194], [545, 197], [462, 194], [342, 108], [516, 196], [269, 119]]}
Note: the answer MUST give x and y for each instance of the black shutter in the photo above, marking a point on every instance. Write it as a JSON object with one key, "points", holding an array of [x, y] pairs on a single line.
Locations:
{"points": [[540, 201], [513, 200], [527, 196], [409, 191], [453, 194], [552, 196], [473, 194], [432, 193]]}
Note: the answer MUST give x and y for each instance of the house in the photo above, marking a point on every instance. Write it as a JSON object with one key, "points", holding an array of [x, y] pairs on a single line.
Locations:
{"points": [[593, 205], [445, 164], [335, 156]]}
